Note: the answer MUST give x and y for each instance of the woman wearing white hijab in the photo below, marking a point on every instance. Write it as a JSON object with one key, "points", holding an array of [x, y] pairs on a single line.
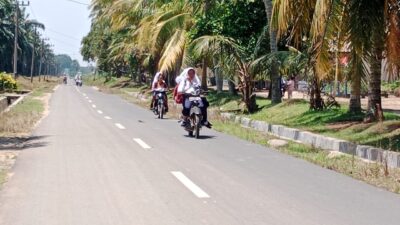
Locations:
{"points": [[184, 75], [158, 74], [188, 81], [155, 80]]}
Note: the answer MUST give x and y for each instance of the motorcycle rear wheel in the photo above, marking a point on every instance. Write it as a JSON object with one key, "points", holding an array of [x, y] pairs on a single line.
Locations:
{"points": [[161, 112], [197, 126]]}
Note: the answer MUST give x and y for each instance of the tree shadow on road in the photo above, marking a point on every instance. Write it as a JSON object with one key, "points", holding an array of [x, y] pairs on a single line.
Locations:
{"points": [[22, 143]]}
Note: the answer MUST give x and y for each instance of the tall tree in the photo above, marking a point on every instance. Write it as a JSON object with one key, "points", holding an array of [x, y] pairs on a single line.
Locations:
{"points": [[275, 79]]}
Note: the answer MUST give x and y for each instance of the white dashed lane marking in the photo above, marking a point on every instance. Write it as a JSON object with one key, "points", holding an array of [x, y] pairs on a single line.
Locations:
{"points": [[142, 143], [196, 190], [120, 126]]}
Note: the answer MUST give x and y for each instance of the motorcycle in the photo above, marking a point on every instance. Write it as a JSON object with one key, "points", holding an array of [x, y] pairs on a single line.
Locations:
{"points": [[65, 80], [195, 118], [159, 109], [79, 83]]}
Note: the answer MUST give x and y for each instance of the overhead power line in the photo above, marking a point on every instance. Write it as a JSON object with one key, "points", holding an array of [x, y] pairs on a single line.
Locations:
{"points": [[80, 3], [64, 35]]}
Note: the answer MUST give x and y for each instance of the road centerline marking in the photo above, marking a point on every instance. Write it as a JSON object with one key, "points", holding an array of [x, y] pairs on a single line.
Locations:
{"points": [[120, 126], [100, 112], [94, 106], [196, 190], [107, 118], [142, 143]]}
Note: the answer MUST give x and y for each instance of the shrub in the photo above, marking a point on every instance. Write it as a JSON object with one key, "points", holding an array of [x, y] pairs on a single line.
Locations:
{"points": [[7, 82], [397, 92]]}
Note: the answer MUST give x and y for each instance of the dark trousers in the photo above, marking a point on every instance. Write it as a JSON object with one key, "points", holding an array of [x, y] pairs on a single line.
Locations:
{"points": [[186, 111]]}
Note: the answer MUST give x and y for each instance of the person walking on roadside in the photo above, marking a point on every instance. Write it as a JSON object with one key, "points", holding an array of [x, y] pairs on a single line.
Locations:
{"points": [[290, 87]]}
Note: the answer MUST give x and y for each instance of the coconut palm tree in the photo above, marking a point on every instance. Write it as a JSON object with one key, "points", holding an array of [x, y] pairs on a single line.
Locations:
{"points": [[314, 24], [275, 79]]}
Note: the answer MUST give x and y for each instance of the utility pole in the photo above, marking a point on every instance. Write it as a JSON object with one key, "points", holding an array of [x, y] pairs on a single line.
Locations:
{"points": [[41, 59], [41, 56], [33, 58], [16, 20]]}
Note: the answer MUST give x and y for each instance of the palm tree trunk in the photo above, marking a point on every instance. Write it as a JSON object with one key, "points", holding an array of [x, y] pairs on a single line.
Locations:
{"points": [[374, 93], [249, 98], [316, 101], [204, 75], [355, 96], [218, 77], [232, 88], [276, 89]]}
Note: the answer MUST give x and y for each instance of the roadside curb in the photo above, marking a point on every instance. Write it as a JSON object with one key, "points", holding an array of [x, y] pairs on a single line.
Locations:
{"points": [[20, 99], [373, 154]]}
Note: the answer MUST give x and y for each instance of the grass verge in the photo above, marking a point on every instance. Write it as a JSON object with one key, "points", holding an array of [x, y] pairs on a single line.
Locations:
{"points": [[337, 123], [371, 173]]}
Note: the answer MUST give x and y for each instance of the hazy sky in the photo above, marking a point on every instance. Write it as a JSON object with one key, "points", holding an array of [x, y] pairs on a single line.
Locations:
{"points": [[66, 21]]}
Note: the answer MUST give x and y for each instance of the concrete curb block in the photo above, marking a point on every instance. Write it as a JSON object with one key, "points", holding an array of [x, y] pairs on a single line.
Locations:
{"points": [[3, 104], [15, 103], [319, 141]]}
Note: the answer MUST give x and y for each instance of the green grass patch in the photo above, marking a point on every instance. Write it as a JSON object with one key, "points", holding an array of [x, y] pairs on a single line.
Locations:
{"points": [[21, 119]]}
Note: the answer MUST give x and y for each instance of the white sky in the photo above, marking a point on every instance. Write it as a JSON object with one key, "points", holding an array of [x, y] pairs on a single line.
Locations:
{"points": [[66, 21]]}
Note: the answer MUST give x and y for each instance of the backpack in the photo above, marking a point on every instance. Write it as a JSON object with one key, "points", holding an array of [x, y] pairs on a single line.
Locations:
{"points": [[177, 97]]}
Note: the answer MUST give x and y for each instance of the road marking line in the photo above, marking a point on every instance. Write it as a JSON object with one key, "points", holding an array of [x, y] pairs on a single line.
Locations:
{"points": [[190, 185], [90, 101], [142, 143], [120, 126], [87, 97], [84, 94], [107, 118], [94, 106], [99, 111]]}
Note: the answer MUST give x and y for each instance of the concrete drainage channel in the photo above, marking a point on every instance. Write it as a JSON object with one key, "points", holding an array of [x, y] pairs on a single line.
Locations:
{"points": [[392, 159], [10, 100]]}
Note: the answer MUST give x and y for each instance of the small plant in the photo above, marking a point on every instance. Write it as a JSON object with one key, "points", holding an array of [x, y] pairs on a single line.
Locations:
{"points": [[7, 82]]}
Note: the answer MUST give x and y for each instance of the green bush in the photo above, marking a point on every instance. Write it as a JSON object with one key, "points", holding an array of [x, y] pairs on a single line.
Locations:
{"points": [[7, 82], [391, 86]]}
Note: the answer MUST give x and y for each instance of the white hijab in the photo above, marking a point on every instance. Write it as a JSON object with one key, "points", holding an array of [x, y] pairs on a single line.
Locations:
{"points": [[156, 77], [185, 74]]}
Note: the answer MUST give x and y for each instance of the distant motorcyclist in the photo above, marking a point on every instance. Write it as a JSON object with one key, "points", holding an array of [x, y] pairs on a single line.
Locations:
{"points": [[187, 82], [160, 85], [153, 83], [65, 79]]}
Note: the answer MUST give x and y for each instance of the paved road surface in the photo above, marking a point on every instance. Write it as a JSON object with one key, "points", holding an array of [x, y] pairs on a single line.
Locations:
{"points": [[100, 160]]}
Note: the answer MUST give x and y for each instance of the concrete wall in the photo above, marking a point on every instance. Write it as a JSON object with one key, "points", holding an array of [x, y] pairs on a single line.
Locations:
{"points": [[3, 103]]}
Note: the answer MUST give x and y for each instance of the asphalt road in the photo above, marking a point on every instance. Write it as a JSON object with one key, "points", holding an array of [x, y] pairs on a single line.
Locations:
{"points": [[96, 159]]}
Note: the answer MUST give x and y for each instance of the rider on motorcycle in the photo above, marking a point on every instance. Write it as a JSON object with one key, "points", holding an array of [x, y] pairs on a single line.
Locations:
{"points": [[188, 81], [155, 80], [160, 84]]}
